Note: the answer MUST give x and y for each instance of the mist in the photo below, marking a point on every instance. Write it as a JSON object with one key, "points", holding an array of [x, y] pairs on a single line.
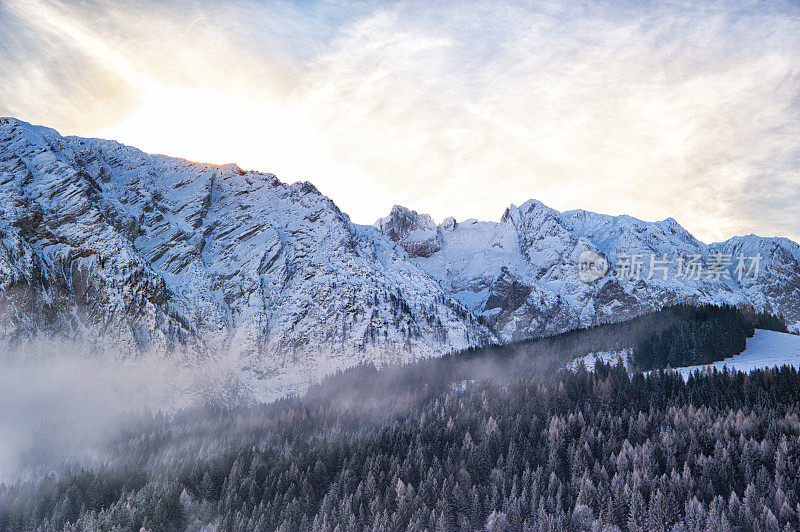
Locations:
{"points": [[64, 408], [72, 410], [61, 406]]}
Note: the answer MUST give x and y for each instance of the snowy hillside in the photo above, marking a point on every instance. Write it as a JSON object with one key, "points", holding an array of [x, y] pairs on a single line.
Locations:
{"points": [[766, 349]]}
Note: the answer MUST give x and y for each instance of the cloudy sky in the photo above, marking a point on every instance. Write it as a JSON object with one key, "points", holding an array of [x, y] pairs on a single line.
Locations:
{"points": [[686, 109]]}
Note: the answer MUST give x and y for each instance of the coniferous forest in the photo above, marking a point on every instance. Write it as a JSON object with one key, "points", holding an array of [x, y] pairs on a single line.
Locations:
{"points": [[700, 335], [496, 439]]}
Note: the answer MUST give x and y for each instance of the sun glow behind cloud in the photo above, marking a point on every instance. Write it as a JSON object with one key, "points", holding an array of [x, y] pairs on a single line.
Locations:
{"points": [[208, 126], [655, 109]]}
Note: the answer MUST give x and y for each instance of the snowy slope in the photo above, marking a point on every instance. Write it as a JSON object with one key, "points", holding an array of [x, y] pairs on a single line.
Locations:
{"points": [[766, 349]]}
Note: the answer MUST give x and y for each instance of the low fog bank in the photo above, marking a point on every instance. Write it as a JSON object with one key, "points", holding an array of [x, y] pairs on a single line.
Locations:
{"points": [[63, 406], [71, 408]]}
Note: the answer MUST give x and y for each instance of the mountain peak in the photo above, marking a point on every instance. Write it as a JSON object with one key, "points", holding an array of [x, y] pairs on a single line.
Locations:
{"points": [[13, 121], [529, 210], [416, 233], [402, 220], [38, 135]]}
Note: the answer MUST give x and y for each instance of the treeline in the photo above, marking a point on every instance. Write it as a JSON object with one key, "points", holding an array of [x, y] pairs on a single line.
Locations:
{"points": [[675, 336], [698, 335], [564, 451]]}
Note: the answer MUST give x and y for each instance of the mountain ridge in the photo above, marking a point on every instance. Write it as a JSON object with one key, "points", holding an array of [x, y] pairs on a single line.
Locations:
{"points": [[541, 246], [131, 252]]}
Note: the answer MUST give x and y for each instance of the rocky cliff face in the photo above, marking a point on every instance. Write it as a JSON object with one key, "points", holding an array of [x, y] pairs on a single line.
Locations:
{"points": [[416, 233], [127, 252]]}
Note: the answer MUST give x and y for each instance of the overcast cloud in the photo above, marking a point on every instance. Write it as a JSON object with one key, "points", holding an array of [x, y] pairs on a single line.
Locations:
{"points": [[682, 109]]}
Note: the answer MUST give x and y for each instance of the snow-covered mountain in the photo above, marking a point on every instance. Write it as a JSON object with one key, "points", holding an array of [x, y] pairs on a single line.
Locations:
{"points": [[120, 250], [522, 274], [134, 252]]}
